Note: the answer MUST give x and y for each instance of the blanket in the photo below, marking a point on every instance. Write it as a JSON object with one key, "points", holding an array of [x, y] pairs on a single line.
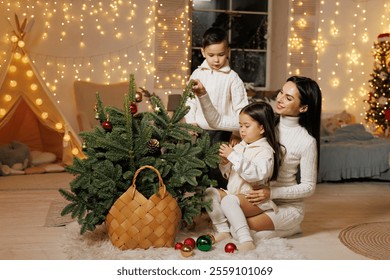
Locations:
{"points": [[351, 152]]}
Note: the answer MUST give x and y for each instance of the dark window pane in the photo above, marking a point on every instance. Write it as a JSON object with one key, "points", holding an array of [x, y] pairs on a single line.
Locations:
{"points": [[249, 31], [211, 5], [201, 21], [196, 59], [250, 66], [250, 5]]}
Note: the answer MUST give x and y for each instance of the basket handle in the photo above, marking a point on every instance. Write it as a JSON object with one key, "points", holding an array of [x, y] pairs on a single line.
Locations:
{"points": [[160, 180]]}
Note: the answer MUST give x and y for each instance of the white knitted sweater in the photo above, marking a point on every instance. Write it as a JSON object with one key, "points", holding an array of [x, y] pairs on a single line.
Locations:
{"points": [[220, 107], [301, 153]]}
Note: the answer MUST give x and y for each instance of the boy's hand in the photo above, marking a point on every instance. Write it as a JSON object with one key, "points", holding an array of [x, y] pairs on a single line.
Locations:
{"points": [[198, 88]]}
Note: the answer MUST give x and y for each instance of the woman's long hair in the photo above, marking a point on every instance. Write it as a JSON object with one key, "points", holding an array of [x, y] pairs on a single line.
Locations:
{"points": [[263, 114], [312, 97]]}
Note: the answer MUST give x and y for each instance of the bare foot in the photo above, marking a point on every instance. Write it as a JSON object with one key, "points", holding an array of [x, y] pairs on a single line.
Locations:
{"points": [[222, 236], [246, 246]]}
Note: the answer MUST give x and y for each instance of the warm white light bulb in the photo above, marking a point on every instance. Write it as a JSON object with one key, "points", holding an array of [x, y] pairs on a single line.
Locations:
{"points": [[21, 44], [38, 101], [13, 83], [12, 68], [59, 126], [14, 38]]}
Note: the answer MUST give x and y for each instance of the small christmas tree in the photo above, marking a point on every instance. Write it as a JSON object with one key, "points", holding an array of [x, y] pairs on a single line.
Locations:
{"points": [[378, 113], [127, 140]]}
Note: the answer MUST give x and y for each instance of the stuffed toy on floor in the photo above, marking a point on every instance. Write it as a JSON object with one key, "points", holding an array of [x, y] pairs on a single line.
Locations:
{"points": [[14, 158], [17, 159]]}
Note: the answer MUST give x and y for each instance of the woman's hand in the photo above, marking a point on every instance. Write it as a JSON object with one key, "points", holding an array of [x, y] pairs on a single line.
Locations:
{"points": [[257, 196], [198, 88]]}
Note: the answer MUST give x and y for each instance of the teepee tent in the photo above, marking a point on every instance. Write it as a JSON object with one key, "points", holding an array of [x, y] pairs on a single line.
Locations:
{"points": [[27, 111]]}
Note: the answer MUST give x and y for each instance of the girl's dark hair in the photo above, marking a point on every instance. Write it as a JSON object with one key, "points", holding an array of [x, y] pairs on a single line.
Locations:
{"points": [[263, 113], [310, 94], [214, 35]]}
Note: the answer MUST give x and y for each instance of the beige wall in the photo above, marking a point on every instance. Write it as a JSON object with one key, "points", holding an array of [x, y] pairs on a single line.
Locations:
{"points": [[279, 35]]}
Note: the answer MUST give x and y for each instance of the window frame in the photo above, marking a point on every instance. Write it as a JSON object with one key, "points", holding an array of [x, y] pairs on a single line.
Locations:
{"points": [[267, 49]]}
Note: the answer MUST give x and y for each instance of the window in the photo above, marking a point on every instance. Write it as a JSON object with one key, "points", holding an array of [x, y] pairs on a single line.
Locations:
{"points": [[246, 22]]}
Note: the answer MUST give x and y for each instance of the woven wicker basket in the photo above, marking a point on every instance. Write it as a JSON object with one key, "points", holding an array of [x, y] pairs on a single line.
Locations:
{"points": [[137, 222]]}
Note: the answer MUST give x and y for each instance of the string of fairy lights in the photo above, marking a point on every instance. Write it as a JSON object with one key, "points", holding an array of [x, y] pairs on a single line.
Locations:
{"points": [[132, 50], [342, 49], [127, 29]]}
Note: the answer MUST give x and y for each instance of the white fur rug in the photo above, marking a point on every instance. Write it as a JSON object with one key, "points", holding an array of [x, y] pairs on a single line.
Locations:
{"points": [[97, 246]]}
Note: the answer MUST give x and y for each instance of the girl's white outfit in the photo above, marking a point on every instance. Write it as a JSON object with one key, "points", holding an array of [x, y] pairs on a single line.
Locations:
{"points": [[226, 96], [286, 191], [250, 166]]}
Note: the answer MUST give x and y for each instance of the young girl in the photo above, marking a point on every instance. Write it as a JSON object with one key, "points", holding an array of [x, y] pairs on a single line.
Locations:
{"points": [[249, 165]]}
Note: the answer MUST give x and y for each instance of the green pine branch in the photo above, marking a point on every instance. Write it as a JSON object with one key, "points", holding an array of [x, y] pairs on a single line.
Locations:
{"points": [[112, 158]]}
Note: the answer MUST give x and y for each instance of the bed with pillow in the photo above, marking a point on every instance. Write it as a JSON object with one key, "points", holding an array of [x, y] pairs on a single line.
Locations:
{"points": [[349, 152]]}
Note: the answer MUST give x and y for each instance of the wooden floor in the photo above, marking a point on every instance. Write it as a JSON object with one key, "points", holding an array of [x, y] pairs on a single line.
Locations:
{"points": [[25, 200]]}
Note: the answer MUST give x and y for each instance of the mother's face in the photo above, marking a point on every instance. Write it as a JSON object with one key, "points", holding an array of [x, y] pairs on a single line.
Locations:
{"points": [[288, 101]]}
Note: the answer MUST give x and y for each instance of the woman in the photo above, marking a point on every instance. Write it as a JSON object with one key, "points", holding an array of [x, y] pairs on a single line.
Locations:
{"points": [[299, 109]]}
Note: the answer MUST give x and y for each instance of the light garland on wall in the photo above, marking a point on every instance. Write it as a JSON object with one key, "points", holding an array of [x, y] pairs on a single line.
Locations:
{"points": [[300, 43], [342, 50], [172, 33], [115, 65]]}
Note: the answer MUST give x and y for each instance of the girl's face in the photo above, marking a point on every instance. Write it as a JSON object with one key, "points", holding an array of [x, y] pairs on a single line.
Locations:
{"points": [[216, 55], [288, 101], [250, 130]]}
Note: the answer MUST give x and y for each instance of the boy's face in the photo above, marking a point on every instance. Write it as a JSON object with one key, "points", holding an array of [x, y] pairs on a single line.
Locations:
{"points": [[216, 55]]}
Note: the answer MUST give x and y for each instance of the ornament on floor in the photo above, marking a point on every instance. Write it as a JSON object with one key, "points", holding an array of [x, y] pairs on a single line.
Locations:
{"points": [[153, 146], [133, 108], [204, 243], [230, 247], [178, 246], [186, 251], [211, 237], [190, 241]]}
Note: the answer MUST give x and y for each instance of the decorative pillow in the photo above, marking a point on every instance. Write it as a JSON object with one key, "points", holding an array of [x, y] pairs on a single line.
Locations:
{"points": [[38, 157], [331, 124]]}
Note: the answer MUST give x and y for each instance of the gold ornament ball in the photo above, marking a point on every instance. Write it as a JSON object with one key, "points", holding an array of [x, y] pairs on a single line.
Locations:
{"points": [[138, 97], [186, 251]]}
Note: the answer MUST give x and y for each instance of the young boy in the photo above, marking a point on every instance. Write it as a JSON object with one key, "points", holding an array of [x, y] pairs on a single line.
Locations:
{"points": [[220, 94]]}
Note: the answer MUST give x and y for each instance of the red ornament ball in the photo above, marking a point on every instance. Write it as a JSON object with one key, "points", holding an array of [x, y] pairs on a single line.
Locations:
{"points": [[178, 245], [190, 242], [107, 126], [230, 248], [133, 108]]}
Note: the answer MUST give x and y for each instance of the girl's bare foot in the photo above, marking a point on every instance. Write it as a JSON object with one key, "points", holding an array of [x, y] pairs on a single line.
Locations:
{"points": [[246, 246]]}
